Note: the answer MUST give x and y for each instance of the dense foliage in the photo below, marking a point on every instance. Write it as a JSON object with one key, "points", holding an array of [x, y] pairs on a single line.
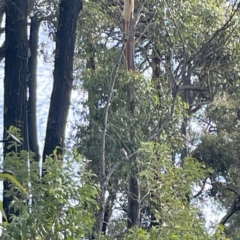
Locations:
{"points": [[170, 124]]}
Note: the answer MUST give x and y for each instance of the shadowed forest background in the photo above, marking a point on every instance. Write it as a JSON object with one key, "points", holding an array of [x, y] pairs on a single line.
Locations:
{"points": [[153, 148]]}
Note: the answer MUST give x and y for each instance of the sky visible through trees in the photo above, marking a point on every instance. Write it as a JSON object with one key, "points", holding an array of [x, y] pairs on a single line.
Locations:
{"points": [[153, 127]]}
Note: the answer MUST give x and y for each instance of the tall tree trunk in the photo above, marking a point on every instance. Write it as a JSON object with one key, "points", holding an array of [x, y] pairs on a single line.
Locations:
{"points": [[186, 98], [2, 10], [108, 211], [133, 201], [184, 133], [32, 86], [15, 82], [63, 76], [128, 34], [129, 49], [156, 80]]}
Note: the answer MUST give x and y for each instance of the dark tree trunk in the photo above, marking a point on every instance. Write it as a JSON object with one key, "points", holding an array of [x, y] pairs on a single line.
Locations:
{"points": [[156, 74], [184, 133], [133, 202], [63, 76], [108, 211], [15, 82], [32, 87], [2, 9], [2, 51]]}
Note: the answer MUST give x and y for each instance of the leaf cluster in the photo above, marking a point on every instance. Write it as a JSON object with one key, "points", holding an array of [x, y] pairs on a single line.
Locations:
{"points": [[60, 205]]}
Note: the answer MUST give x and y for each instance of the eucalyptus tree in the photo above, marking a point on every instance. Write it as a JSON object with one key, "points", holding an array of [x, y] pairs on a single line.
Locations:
{"points": [[39, 12], [134, 123], [20, 76], [15, 81], [219, 149], [185, 46], [63, 76]]}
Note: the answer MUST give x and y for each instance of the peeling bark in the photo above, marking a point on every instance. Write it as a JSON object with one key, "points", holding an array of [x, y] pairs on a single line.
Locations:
{"points": [[129, 49]]}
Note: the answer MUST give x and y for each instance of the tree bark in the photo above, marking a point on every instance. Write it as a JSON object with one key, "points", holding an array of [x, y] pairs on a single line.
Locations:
{"points": [[63, 76], [156, 74], [15, 81], [32, 87], [133, 202], [128, 34], [129, 49], [108, 211], [186, 98], [2, 10]]}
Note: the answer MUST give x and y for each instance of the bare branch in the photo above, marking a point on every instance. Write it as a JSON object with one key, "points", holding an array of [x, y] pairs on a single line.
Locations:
{"points": [[199, 104], [105, 180], [191, 87], [232, 190], [201, 190], [205, 46], [110, 93], [234, 208]]}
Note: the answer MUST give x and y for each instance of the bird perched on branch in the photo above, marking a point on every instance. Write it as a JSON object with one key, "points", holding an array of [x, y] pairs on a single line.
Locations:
{"points": [[124, 153]]}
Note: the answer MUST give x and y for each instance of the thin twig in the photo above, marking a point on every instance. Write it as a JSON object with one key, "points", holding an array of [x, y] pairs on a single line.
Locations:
{"points": [[110, 93]]}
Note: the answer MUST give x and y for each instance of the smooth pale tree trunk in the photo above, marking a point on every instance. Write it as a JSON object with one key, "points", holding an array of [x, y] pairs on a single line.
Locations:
{"points": [[15, 81], [133, 211], [63, 76]]}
